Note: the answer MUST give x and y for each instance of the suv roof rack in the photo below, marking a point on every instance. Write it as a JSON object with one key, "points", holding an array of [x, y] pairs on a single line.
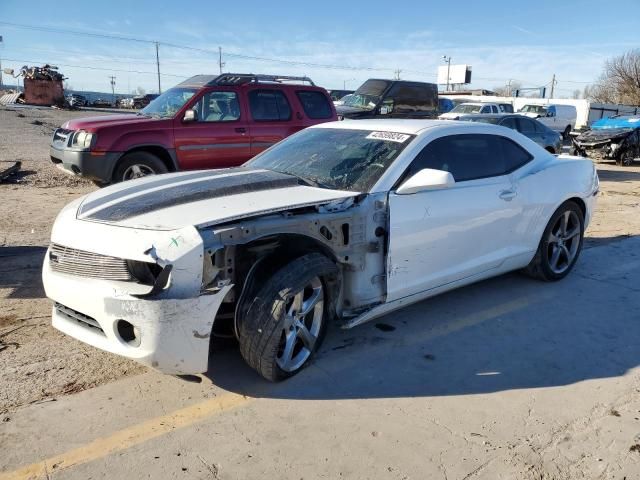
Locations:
{"points": [[242, 78]]}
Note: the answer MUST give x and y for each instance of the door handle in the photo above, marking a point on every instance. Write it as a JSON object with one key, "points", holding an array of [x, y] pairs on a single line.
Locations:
{"points": [[241, 130], [508, 195]]}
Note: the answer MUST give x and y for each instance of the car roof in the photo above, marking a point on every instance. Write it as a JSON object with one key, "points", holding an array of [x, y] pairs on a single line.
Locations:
{"points": [[396, 125]]}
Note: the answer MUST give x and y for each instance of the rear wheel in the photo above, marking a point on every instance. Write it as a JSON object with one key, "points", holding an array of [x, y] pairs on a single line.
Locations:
{"points": [[137, 165], [625, 159], [560, 246], [282, 325]]}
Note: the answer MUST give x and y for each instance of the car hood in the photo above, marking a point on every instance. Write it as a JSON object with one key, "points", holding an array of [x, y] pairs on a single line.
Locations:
{"points": [[201, 198], [93, 123], [603, 135]]}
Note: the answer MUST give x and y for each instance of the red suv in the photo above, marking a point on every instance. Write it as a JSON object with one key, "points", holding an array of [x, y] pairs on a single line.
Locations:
{"points": [[204, 122]]}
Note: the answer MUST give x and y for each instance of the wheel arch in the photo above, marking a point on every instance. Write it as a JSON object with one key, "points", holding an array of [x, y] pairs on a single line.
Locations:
{"points": [[166, 155]]}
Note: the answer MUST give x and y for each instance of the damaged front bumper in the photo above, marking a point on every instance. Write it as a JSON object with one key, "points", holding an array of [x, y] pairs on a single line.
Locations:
{"points": [[166, 329]]}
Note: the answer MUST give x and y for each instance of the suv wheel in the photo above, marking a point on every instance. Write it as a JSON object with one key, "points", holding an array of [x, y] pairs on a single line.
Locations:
{"points": [[282, 325], [137, 165]]}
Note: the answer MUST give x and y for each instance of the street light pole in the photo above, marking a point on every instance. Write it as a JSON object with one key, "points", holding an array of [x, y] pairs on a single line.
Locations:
{"points": [[448, 60]]}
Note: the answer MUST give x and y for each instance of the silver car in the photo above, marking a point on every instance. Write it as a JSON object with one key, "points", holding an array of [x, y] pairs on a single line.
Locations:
{"points": [[536, 131]]}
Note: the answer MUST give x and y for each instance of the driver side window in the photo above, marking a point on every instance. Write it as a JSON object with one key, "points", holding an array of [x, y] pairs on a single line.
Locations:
{"points": [[218, 107]]}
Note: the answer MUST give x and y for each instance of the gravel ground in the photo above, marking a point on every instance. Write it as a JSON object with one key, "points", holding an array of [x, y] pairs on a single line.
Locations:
{"points": [[36, 362]]}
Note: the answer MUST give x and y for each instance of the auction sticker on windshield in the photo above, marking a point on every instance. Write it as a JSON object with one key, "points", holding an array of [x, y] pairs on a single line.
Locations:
{"points": [[389, 136]]}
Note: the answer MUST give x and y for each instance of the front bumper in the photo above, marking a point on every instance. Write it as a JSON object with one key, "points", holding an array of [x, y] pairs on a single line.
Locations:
{"points": [[172, 327], [95, 166]]}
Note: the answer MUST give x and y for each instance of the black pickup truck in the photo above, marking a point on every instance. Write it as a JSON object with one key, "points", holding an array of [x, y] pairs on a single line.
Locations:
{"points": [[391, 99]]}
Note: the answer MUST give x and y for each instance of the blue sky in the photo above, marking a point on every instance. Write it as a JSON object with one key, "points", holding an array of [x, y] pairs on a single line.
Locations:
{"points": [[500, 40]]}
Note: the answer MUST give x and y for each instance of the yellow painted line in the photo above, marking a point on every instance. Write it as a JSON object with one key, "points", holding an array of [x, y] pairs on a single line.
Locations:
{"points": [[127, 438]]}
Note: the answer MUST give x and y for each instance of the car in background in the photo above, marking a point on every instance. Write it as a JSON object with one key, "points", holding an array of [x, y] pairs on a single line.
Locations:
{"points": [[468, 108], [445, 105], [561, 118], [342, 100], [278, 251], [207, 121], [614, 138], [101, 103], [391, 99], [337, 95], [126, 102], [141, 101], [75, 100], [548, 139]]}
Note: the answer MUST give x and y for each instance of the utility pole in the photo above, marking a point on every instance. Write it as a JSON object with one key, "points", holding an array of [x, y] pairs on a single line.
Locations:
{"points": [[1, 63], [553, 84], [448, 60], [158, 65], [113, 89], [397, 74], [220, 62]]}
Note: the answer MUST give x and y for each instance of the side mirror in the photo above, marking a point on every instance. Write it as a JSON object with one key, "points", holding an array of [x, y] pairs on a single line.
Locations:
{"points": [[426, 179], [190, 116]]}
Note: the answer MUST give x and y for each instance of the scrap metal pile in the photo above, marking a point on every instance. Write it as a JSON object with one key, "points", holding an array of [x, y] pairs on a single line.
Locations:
{"points": [[46, 72]]}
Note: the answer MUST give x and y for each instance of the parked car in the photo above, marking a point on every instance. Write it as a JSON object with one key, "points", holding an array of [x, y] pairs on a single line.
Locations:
{"points": [[391, 99], [561, 118], [536, 131], [141, 101], [204, 122], [126, 102], [468, 108], [445, 105], [615, 138], [75, 100], [101, 103], [340, 223], [338, 94]]}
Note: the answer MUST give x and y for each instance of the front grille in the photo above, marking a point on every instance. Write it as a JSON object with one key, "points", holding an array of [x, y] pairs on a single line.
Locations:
{"points": [[76, 316], [86, 264]]}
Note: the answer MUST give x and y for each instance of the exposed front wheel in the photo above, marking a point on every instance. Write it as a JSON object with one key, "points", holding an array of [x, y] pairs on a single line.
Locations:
{"points": [[560, 245], [282, 325], [625, 159], [137, 165]]}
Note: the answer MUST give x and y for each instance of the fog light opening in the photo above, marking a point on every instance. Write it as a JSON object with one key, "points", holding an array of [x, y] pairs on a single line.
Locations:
{"points": [[128, 333]]}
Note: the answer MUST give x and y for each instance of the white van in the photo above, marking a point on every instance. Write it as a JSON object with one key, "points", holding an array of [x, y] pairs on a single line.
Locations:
{"points": [[561, 118]]}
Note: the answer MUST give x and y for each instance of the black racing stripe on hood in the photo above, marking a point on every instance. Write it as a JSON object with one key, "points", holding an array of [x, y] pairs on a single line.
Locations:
{"points": [[158, 181], [180, 194]]}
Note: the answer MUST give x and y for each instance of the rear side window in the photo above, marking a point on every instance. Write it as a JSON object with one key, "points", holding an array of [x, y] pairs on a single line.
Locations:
{"points": [[486, 109], [526, 126], [509, 123], [269, 106], [470, 157], [314, 104], [412, 98]]}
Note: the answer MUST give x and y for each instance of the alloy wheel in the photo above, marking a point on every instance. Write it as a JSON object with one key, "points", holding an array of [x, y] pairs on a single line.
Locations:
{"points": [[137, 171], [304, 314], [563, 242]]}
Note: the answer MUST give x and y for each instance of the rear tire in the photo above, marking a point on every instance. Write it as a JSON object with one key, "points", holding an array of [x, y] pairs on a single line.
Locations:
{"points": [[560, 245], [137, 165], [282, 325]]}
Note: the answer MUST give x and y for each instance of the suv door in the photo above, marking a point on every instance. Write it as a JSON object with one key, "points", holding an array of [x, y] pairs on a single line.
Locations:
{"points": [[273, 117], [409, 100], [218, 137], [442, 236]]}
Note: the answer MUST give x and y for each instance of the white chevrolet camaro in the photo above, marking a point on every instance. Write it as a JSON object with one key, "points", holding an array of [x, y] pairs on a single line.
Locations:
{"points": [[343, 221]]}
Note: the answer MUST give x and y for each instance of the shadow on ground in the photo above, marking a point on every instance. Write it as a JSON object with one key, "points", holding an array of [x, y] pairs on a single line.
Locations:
{"points": [[613, 173], [21, 271], [507, 333]]}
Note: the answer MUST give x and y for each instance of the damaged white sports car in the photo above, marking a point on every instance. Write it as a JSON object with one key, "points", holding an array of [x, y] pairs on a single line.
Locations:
{"points": [[347, 221]]}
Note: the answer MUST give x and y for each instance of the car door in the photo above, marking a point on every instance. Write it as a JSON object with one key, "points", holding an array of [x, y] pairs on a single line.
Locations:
{"points": [[441, 236], [273, 117], [218, 137]]}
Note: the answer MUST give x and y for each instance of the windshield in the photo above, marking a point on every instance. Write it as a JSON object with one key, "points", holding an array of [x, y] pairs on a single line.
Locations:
{"points": [[167, 104], [466, 108], [357, 100], [338, 159], [534, 109]]}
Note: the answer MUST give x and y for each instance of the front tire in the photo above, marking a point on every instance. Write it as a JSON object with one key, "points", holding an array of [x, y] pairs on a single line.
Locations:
{"points": [[136, 165], [560, 245], [625, 159], [281, 327]]}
